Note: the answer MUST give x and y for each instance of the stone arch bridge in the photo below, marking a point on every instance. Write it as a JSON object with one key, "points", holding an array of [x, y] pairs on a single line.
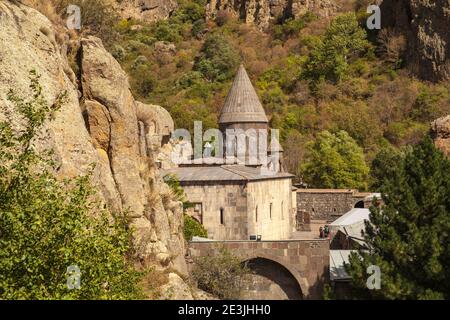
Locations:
{"points": [[285, 269]]}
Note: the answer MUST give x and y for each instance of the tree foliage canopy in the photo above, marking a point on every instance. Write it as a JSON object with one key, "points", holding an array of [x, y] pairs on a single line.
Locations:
{"points": [[408, 238], [48, 226], [343, 41], [217, 60], [335, 161]]}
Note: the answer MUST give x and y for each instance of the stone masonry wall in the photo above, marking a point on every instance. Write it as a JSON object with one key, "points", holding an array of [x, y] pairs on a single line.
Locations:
{"points": [[256, 208], [306, 260], [326, 204], [231, 198], [265, 196]]}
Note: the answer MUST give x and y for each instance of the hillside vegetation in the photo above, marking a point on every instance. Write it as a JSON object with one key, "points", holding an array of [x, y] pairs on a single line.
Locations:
{"points": [[315, 76]]}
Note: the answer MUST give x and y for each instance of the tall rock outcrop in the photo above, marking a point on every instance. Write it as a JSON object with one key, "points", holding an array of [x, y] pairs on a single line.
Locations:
{"points": [[440, 132], [100, 123], [147, 10], [261, 12], [425, 24]]}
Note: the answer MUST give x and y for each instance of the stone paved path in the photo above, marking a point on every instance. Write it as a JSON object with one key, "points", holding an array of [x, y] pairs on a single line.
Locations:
{"points": [[313, 234]]}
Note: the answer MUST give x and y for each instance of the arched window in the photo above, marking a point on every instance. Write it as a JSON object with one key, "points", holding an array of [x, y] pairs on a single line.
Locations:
{"points": [[256, 214], [282, 210]]}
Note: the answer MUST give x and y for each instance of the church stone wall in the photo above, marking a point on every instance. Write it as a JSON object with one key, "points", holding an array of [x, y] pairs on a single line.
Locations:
{"points": [[211, 199], [264, 197], [239, 204]]}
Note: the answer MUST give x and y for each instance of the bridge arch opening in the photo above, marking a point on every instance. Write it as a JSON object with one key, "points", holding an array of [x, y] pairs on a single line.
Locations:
{"points": [[359, 204], [269, 280]]}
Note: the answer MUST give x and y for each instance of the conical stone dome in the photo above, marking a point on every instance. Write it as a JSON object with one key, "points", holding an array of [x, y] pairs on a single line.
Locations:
{"points": [[242, 103]]}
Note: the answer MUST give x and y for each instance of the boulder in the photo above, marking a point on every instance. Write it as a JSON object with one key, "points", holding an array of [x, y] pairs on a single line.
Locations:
{"points": [[176, 289], [440, 132]]}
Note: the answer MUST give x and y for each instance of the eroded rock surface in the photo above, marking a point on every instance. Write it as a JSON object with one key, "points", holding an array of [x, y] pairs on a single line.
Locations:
{"points": [[147, 10], [98, 124], [261, 12], [440, 132], [425, 24]]}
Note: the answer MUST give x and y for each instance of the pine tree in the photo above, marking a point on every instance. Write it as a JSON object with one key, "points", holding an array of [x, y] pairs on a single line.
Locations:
{"points": [[408, 237]]}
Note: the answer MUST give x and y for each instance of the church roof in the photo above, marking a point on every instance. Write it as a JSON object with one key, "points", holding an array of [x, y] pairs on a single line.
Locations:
{"points": [[242, 103], [227, 173]]}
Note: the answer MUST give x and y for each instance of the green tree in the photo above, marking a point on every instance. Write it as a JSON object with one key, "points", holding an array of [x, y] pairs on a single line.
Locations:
{"points": [[408, 237], [343, 41], [218, 60], [384, 165], [335, 161], [168, 31], [191, 10], [427, 105], [292, 27], [48, 225]]}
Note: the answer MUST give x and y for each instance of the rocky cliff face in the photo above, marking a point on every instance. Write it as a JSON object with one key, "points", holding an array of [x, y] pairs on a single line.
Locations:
{"points": [[100, 124], [425, 24], [147, 10], [440, 132], [261, 12]]}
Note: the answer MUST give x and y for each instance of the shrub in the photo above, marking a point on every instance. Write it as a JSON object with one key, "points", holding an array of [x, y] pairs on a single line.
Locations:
{"points": [[218, 60], [427, 105], [223, 17], [192, 228], [292, 27], [392, 47], [172, 181], [169, 32], [199, 28], [48, 226], [189, 79], [222, 274], [191, 11], [143, 82], [98, 17]]}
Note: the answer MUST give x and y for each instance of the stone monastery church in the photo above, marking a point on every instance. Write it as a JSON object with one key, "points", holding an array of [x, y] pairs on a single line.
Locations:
{"points": [[253, 209], [240, 201]]}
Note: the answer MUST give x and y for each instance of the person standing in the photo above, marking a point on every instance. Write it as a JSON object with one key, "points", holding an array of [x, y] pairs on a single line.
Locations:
{"points": [[326, 231]]}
